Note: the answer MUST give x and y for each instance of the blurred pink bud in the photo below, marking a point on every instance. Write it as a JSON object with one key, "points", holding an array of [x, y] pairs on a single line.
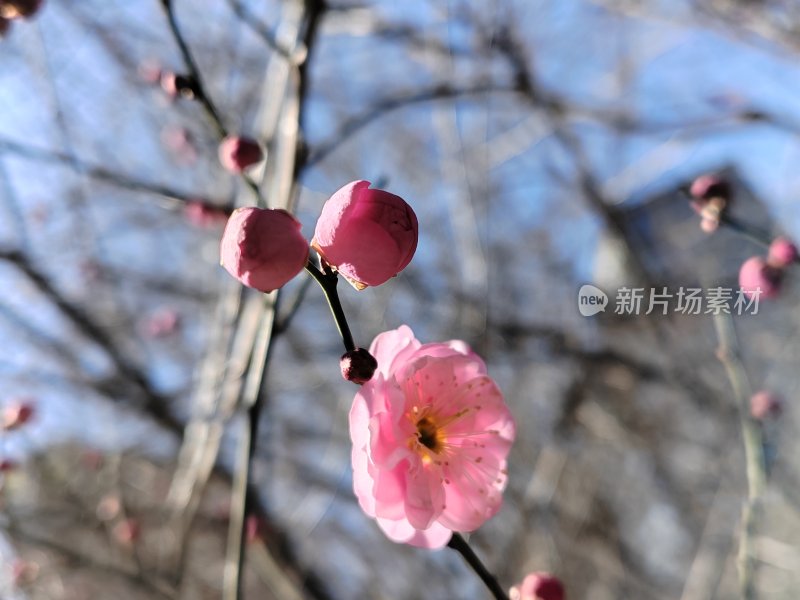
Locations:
{"points": [[253, 526], [180, 142], [91, 270], [237, 153], [263, 248], [161, 323], [709, 225], [710, 186], [17, 414], [149, 71], [358, 365], [108, 507], [92, 459], [18, 9], [782, 253], [367, 235], [127, 531], [7, 466], [168, 84], [765, 404], [23, 572], [204, 214], [538, 586], [756, 274]]}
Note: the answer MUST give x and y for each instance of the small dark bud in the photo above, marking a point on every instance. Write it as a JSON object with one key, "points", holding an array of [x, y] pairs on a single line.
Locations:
{"points": [[179, 85], [358, 365]]}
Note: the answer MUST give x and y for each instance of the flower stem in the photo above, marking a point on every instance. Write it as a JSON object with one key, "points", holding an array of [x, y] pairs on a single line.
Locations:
{"points": [[459, 544], [328, 281], [755, 235], [755, 464]]}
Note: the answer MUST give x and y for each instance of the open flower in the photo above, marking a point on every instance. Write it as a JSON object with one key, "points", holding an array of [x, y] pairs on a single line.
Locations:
{"points": [[430, 434], [368, 235], [263, 248]]}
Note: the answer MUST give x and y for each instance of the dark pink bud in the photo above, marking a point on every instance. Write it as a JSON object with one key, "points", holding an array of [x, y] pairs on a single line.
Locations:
{"points": [[782, 253], [263, 248], [756, 274], [358, 365], [538, 586], [765, 404], [710, 186], [367, 235], [7, 466], [175, 85], [19, 9], [237, 153], [17, 414], [204, 214]]}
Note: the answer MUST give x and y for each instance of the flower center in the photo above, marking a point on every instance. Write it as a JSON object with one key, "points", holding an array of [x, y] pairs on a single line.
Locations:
{"points": [[428, 434]]}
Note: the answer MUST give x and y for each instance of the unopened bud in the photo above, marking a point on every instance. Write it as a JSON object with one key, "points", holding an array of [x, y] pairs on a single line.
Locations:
{"points": [[19, 9], [179, 85], [17, 414], [710, 186], [236, 153], [538, 586], [765, 404], [358, 365], [782, 253], [757, 277]]}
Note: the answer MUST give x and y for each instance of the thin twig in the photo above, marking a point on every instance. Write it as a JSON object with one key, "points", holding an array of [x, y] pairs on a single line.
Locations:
{"points": [[460, 545], [201, 91]]}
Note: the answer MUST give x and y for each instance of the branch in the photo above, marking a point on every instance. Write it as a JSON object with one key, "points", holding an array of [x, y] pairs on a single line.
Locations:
{"points": [[755, 465], [353, 125], [154, 403]]}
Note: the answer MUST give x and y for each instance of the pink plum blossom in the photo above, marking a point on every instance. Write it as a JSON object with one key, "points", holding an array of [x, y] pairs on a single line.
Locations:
{"points": [[782, 253], [263, 248], [367, 235], [538, 586], [431, 433], [755, 274], [238, 153]]}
